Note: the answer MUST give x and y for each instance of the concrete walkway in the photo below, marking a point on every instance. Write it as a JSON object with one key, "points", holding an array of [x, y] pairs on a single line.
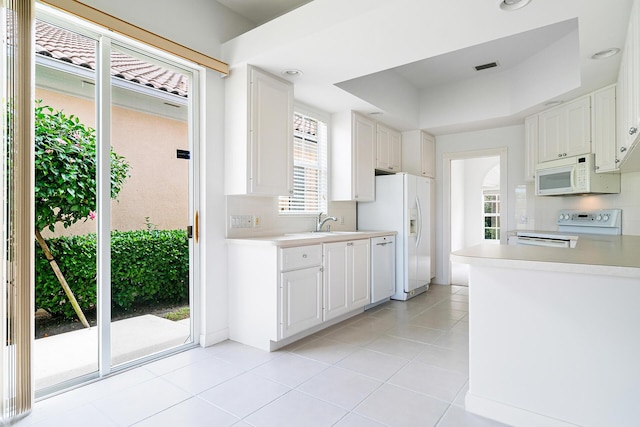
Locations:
{"points": [[69, 355]]}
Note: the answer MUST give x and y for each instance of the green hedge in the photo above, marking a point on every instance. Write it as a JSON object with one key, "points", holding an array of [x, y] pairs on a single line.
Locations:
{"points": [[146, 267]]}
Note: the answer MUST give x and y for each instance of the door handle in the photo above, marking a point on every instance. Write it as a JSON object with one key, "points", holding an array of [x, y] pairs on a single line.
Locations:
{"points": [[196, 227]]}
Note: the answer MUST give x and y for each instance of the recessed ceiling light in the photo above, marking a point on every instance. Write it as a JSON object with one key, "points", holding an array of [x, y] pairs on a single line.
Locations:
{"points": [[513, 4], [291, 72], [605, 53]]}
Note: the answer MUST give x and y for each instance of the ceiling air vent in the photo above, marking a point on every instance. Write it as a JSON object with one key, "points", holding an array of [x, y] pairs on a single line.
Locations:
{"points": [[486, 66]]}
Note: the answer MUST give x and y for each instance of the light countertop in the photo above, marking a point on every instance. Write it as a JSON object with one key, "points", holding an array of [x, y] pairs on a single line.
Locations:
{"points": [[605, 255], [309, 238]]}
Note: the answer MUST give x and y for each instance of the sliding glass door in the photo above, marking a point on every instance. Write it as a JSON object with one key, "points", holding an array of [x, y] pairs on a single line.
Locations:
{"points": [[115, 142]]}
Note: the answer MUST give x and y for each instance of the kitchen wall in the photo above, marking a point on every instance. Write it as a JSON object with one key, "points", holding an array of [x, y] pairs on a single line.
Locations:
{"points": [[546, 208], [271, 222], [202, 25]]}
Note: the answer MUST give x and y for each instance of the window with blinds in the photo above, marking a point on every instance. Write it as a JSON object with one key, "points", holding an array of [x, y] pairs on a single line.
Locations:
{"points": [[309, 168]]}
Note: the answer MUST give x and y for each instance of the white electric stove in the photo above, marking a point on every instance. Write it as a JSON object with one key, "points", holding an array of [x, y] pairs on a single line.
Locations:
{"points": [[571, 223]]}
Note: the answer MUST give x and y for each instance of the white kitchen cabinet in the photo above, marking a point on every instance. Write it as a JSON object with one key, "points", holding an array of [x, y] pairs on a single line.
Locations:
{"points": [[530, 147], [418, 153], [628, 97], [258, 133], [565, 131], [604, 129], [353, 157], [301, 293], [388, 149], [347, 276], [274, 292], [427, 155]]}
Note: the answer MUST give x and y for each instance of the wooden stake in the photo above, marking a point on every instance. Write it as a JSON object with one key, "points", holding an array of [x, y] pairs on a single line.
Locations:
{"points": [[62, 280]]}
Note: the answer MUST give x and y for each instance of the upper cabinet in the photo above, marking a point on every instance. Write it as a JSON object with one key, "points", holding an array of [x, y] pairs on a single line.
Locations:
{"points": [[258, 133], [628, 97], [565, 131], [427, 155], [418, 153], [353, 157], [388, 149], [604, 129]]}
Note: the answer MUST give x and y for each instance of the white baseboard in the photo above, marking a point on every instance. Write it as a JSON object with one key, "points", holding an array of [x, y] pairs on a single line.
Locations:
{"points": [[216, 337], [508, 414]]}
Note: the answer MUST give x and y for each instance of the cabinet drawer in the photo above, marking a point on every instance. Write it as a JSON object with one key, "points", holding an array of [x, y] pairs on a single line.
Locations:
{"points": [[300, 257]]}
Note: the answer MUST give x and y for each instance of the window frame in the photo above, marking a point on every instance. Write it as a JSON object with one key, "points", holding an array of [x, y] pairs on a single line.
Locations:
{"points": [[323, 117], [497, 214]]}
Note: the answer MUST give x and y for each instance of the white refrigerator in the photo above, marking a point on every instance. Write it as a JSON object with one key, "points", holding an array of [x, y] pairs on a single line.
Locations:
{"points": [[403, 204]]}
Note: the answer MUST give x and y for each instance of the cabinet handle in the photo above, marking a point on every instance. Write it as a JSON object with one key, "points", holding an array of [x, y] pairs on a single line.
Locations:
{"points": [[304, 255], [564, 154], [597, 167], [633, 130], [560, 155], [623, 149], [617, 161], [350, 244]]}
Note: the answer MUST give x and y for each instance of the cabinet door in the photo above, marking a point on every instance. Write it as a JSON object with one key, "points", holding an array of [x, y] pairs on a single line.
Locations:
{"points": [[551, 134], [530, 147], [336, 299], [359, 269], [395, 151], [623, 101], [271, 135], [301, 300], [383, 144], [388, 149], [604, 129], [428, 155], [578, 127], [364, 138]]}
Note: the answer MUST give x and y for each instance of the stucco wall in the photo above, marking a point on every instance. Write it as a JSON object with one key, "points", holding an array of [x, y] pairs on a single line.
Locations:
{"points": [[158, 184]]}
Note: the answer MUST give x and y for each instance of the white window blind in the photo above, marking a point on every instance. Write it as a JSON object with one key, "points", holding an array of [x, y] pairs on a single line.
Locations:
{"points": [[309, 167]]}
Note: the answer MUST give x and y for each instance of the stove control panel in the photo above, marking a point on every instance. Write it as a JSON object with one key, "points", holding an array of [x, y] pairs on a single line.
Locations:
{"points": [[604, 218]]}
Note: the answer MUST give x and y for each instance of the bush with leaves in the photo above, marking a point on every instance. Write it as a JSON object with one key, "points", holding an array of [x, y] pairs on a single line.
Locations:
{"points": [[65, 163], [147, 267]]}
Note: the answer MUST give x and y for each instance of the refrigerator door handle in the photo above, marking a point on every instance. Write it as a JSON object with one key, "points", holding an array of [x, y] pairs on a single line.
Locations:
{"points": [[419, 236]]}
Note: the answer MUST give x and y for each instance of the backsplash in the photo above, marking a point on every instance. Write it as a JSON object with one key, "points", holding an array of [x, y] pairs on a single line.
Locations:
{"points": [[546, 208], [272, 223]]}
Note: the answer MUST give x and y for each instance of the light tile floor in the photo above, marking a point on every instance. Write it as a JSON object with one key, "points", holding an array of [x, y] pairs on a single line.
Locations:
{"points": [[399, 364]]}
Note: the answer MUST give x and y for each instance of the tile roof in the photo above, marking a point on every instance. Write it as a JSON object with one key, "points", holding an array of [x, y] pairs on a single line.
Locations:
{"points": [[73, 48]]}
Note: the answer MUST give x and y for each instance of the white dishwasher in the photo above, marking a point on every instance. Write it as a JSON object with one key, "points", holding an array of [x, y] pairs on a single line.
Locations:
{"points": [[383, 269]]}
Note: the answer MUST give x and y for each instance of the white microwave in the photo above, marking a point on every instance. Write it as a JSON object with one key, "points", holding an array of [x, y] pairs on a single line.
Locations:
{"points": [[574, 175]]}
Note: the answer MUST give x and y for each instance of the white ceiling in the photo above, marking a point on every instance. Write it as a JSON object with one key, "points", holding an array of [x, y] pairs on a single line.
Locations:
{"points": [[261, 11], [412, 60]]}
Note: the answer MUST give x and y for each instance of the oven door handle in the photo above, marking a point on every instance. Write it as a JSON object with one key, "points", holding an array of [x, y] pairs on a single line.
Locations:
{"points": [[552, 243]]}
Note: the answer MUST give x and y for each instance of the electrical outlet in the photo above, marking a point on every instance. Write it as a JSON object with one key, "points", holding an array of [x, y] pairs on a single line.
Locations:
{"points": [[257, 220], [241, 221]]}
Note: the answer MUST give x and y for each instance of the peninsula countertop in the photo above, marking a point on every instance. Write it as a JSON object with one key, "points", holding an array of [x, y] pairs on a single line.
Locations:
{"points": [[604, 255]]}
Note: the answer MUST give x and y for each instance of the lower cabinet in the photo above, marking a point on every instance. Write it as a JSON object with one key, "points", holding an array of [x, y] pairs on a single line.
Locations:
{"points": [[277, 294], [301, 293], [347, 277]]}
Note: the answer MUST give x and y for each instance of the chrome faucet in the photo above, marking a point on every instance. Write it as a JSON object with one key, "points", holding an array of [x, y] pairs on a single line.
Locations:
{"points": [[321, 222]]}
